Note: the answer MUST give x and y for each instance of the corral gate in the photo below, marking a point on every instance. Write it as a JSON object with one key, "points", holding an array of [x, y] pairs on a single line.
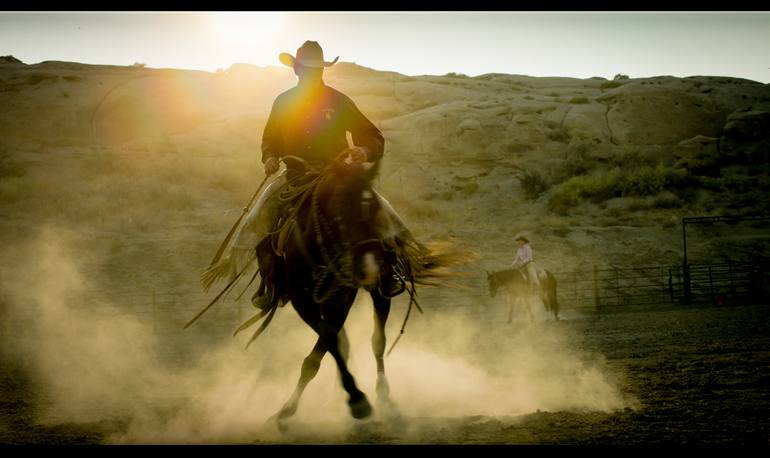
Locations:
{"points": [[695, 276]]}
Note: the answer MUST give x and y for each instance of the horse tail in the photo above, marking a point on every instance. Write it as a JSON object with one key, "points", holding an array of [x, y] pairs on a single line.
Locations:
{"points": [[552, 296], [434, 263]]}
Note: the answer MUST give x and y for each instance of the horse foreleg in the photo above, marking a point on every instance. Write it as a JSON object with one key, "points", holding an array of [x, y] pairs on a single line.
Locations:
{"points": [[381, 312], [359, 405], [344, 344], [528, 303], [309, 370]]}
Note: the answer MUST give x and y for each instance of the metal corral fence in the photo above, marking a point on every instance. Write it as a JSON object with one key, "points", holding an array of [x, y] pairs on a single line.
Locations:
{"points": [[719, 284], [613, 287], [725, 283]]}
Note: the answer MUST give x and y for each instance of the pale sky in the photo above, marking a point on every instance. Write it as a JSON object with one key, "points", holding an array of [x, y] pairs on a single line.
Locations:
{"points": [[575, 44]]}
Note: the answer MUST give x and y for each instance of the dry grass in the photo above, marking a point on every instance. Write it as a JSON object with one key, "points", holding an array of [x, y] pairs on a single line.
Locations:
{"points": [[113, 192]]}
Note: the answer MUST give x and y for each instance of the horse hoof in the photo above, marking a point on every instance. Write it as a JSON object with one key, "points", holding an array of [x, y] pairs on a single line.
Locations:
{"points": [[361, 408], [388, 408], [282, 426], [279, 422]]}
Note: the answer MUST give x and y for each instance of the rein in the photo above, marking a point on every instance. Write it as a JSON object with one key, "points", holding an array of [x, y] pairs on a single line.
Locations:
{"points": [[297, 192], [340, 266]]}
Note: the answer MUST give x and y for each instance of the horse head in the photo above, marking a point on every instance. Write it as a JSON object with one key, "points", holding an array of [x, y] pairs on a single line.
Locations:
{"points": [[352, 212]]}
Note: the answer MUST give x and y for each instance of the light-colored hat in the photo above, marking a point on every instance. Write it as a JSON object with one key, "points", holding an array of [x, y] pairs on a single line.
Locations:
{"points": [[309, 54]]}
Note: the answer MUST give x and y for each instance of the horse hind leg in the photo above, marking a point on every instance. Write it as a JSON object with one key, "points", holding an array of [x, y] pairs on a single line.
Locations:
{"points": [[381, 312]]}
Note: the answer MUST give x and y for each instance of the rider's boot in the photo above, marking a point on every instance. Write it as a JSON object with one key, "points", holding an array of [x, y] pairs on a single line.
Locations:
{"points": [[265, 294]]}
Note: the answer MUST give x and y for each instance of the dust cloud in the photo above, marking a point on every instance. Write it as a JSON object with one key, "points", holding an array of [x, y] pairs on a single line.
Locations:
{"points": [[90, 360]]}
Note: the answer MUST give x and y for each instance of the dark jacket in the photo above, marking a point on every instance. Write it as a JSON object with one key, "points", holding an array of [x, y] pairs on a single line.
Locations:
{"points": [[312, 124]]}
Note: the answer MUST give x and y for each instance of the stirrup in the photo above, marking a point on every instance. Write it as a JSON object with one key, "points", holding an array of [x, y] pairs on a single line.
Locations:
{"points": [[264, 300], [261, 302], [394, 288]]}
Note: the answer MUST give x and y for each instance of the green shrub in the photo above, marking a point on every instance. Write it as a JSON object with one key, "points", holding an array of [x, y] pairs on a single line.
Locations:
{"points": [[667, 200], [470, 188], [36, 78], [515, 147], [575, 164], [533, 184], [631, 159], [9, 167], [578, 100], [645, 181], [610, 84], [559, 134], [618, 182]]}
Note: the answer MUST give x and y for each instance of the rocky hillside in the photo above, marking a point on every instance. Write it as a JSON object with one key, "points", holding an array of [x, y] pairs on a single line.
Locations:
{"points": [[594, 171]]}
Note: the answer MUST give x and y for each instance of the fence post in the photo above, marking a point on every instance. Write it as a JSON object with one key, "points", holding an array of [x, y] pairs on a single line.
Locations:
{"points": [[597, 304]]}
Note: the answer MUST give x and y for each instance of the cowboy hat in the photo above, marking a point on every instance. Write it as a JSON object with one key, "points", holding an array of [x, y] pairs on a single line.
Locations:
{"points": [[309, 54], [522, 238]]}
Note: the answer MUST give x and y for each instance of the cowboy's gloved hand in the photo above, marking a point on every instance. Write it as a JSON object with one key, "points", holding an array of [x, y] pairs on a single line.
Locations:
{"points": [[271, 166], [358, 154]]}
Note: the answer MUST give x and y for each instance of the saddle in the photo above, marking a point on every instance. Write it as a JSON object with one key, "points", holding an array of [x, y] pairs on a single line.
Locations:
{"points": [[271, 250]]}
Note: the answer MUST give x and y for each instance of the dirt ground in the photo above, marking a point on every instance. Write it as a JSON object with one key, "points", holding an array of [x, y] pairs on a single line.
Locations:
{"points": [[701, 375]]}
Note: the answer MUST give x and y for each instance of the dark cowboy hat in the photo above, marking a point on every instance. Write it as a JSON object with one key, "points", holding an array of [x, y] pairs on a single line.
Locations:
{"points": [[522, 238], [309, 54]]}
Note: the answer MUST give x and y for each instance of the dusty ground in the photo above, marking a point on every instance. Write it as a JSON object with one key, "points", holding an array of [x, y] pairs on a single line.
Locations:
{"points": [[98, 217], [701, 376]]}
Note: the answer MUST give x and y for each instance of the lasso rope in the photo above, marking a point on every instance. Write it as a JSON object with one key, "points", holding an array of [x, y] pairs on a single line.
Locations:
{"points": [[340, 267]]}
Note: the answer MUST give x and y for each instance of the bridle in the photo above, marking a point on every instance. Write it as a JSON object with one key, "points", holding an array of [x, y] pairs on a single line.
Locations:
{"points": [[340, 265]]}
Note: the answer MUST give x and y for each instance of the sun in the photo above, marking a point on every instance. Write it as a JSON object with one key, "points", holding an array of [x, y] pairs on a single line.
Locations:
{"points": [[246, 26]]}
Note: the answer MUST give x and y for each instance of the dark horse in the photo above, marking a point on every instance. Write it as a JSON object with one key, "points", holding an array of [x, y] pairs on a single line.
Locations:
{"points": [[517, 289], [328, 245]]}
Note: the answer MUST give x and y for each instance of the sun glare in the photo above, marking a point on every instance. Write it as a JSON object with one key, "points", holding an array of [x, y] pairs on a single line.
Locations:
{"points": [[246, 27]]}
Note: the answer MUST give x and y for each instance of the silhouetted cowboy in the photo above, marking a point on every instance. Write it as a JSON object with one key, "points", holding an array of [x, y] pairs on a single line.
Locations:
{"points": [[310, 121]]}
